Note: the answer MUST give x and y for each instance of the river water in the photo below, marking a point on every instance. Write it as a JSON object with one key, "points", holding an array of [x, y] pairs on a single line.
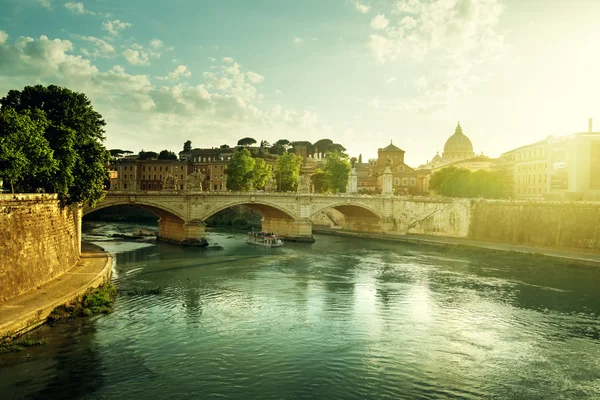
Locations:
{"points": [[338, 319]]}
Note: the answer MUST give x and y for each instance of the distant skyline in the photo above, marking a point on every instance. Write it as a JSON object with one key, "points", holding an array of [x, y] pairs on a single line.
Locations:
{"points": [[361, 73]]}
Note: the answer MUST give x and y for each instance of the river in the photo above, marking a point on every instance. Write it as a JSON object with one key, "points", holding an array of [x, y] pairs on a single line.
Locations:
{"points": [[340, 318]]}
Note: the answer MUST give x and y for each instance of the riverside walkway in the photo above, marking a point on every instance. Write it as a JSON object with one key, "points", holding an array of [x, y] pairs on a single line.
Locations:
{"points": [[31, 309]]}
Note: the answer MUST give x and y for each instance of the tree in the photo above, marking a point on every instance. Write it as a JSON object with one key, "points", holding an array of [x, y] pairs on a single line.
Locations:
{"points": [[319, 181], [460, 182], [147, 155], [166, 155], [247, 141], [287, 172], [224, 147], [260, 173], [240, 171], [360, 158], [323, 145], [26, 159], [264, 148], [353, 161], [337, 169], [75, 133], [187, 146]]}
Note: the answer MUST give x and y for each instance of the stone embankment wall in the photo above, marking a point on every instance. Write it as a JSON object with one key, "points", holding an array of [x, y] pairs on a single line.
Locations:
{"points": [[551, 224], [39, 241], [431, 216]]}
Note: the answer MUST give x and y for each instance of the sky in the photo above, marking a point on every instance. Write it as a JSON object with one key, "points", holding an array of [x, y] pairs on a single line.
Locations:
{"points": [[361, 73]]}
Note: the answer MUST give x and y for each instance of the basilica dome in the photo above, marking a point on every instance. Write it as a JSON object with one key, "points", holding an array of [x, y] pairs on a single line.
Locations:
{"points": [[458, 146]]}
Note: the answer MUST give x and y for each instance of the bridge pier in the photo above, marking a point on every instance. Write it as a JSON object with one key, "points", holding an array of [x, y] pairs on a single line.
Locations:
{"points": [[299, 230], [175, 230]]}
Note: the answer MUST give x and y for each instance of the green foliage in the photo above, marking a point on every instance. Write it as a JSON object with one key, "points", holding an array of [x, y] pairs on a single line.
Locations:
{"points": [[459, 182], [287, 172], [74, 132], [323, 145], [337, 169], [93, 301], [319, 181], [240, 171], [26, 159], [20, 345], [247, 141], [261, 173], [187, 146], [147, 155], [167, 155]]}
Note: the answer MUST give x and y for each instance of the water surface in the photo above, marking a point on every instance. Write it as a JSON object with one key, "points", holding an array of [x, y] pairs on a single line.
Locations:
{"points": [[340, 318]]}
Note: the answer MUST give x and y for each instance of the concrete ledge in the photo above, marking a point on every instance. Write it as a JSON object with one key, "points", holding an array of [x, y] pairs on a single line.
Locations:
{"points": [[31, 309]]}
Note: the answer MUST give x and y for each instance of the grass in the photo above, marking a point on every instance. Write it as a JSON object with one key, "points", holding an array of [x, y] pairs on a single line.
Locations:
{"points": [[92, 302], [20, 345]]}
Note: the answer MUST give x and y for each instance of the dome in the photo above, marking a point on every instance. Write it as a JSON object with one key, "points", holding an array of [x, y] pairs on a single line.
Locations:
{"points": [[458, 143]]}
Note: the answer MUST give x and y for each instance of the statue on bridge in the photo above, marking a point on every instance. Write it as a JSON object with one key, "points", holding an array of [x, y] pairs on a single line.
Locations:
{"points": [[303, 184], [194, 181], [169, 182], [271, 185]]}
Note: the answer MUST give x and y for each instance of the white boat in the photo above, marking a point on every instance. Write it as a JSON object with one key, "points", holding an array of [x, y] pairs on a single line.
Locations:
{"points": [[264, 239]]}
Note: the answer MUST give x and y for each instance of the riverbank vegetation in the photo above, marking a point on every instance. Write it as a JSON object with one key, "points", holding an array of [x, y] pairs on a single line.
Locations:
{"points": [[93, 301], [460, 182], [239, 217], [20, 344]]}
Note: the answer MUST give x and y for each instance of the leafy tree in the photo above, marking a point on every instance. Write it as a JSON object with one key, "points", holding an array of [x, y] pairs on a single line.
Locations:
{"points": [[287, 172], [323, 145], [166, 155], [319, 181], [260, 173], [187, 146], [247, 141], [26, 159], [459, 182], [353, 161], [283, 142], [240, 171], [337, 169], [75, 133], [224, 146], [360, 158], [118, 153], [147, 155], [264, 148]]}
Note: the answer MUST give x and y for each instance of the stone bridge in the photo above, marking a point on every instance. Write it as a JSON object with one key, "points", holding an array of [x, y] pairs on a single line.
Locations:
{"points": [[182, 214]]}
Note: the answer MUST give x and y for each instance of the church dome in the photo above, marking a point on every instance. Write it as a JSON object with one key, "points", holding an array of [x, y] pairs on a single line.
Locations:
{"points": [[458, 143]]}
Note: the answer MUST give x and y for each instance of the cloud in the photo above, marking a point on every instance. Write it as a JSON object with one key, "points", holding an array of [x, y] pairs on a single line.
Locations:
{"points": [[298, 40], [455, 36], [180, 72], [379, 22], [228, 60], [156, 44], [77, 8], [223, 106], [101, 47], [212, 59], [361, 7], [136, 57], [46, 4], [254, 77], [390, 80], [115, 27]]}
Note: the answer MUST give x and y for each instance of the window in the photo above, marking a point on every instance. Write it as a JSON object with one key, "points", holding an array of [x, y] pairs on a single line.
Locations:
{"points": [[215, 187], [404, 181], [160, 168], [124, 186], [413, 181], [155, 168], [155, 178], [125, 176], [131, 168], [181, 186], [396, 181], [167, 169], [143, 168], [181, 176], [143, 186]]}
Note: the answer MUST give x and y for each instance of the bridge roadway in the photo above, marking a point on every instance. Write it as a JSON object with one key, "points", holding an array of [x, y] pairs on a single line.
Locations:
{"points": [[182, 213]]}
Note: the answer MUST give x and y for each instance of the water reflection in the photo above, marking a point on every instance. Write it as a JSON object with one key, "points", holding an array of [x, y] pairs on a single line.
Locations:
{"points": [[340, 318]]}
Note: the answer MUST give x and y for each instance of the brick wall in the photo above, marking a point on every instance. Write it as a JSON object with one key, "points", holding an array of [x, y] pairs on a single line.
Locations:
{"points": [[39, 241]]}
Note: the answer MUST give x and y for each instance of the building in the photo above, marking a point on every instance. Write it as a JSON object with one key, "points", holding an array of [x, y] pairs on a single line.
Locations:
{"points": [[472, 164], [128, 174], [458, 147], [405, 180], [565, 167]]}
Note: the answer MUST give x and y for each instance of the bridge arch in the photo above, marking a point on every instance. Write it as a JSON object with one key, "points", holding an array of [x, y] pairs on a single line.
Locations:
{"points": [[264, 208], [350, 210], [160, 210]]}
